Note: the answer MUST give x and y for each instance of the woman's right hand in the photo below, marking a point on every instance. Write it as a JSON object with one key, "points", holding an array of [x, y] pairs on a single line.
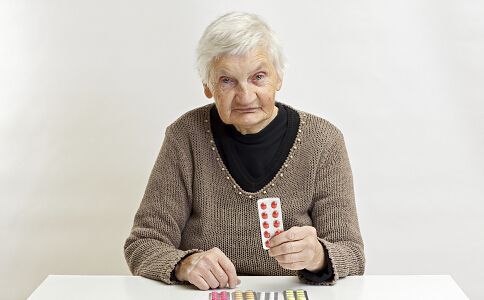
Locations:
{"points": [[208, 269]]}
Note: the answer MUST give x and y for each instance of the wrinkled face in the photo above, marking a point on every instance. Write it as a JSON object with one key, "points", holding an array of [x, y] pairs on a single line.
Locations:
{"points": [[244, 89]]}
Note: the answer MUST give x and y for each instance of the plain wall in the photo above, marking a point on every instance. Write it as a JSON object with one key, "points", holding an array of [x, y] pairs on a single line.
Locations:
{"points": [[87, 89]]}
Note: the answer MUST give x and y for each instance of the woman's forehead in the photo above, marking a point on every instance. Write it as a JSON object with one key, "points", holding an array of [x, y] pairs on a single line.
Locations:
{"points": [[250, 62]]}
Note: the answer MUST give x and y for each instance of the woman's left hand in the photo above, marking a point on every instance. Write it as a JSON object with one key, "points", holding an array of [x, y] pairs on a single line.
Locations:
{"points": [[298, 248]]}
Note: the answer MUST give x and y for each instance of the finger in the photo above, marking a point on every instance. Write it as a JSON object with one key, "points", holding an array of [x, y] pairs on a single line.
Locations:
{"points": [[210, 279], [199, 282], [204, 269], [227, 266], [293, 234], [291, 258], [221, 278], [230, 270], [288, 247], [219, 273]]}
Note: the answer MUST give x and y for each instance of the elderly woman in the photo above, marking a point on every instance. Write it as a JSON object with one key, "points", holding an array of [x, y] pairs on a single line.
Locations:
{"points": [[198, 220]]}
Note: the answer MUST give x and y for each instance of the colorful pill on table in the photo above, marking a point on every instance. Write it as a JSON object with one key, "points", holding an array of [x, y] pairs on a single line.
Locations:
{"points": [[289, 294], [300, 295]]}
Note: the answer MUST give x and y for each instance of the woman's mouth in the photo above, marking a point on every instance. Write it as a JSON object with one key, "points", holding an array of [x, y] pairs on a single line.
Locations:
{"points": [[247, 110]]}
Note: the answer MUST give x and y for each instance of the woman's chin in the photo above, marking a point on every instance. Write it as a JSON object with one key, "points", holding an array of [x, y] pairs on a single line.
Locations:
{"points": [[248, 121]]}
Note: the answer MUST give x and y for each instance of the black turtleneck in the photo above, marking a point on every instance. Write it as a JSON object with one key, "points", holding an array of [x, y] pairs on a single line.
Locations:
{"points": [[254, 159]]}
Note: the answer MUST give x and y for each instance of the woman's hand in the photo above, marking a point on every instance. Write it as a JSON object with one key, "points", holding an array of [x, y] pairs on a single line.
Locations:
{"points": [[298, 248], [208, 269]]}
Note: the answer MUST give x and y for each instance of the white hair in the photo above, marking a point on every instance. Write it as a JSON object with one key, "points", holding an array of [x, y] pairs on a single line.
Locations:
{"points": [[237, 33]]}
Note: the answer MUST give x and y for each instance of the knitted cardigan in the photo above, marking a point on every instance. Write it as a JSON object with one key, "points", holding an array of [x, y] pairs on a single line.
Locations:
{"points": [[192, 203]]}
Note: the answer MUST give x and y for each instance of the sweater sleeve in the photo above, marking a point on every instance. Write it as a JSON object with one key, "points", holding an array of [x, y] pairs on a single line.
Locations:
{"points": [[334, 215], [151, 250]]}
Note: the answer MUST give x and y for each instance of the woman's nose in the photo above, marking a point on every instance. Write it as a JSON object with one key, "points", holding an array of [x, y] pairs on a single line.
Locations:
{"points": [[245, 94]]}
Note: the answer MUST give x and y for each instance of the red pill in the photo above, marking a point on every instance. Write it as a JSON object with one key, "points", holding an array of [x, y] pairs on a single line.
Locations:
{"points": [[277, 232], [264, 215], [223, 296], [265, 225], [267, 244], [276, 224], [275, 214], [263, 205], [274, 204], [267, 234]]}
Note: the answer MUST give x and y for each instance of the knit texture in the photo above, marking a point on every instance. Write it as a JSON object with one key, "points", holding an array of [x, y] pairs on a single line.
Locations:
{"points": [[193, 204]]}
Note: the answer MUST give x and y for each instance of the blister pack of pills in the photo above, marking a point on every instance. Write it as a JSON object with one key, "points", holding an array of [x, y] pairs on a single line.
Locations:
{"points": [[270, 219], [251, 295]]}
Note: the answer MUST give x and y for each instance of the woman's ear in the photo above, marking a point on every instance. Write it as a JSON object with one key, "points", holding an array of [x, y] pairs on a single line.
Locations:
{"points": [[207, 91], [278, 84]]}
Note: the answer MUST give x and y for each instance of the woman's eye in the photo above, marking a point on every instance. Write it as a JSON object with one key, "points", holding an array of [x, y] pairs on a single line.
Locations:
{"points": [[225, 80], [259, 76]]}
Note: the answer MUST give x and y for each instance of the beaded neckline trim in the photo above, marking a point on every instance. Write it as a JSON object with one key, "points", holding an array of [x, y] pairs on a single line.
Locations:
{"points": [[280, 173]]}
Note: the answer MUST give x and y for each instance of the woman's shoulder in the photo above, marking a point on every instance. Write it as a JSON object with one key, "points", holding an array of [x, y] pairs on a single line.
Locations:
{"points": [[192, 121], [316, 125]]}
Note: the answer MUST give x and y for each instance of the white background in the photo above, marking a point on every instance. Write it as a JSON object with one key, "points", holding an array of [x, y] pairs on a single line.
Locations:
{"points": [[87, 89]]}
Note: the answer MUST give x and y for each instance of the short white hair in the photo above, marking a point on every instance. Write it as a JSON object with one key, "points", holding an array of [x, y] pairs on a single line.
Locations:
{"points": [[237, 33]]}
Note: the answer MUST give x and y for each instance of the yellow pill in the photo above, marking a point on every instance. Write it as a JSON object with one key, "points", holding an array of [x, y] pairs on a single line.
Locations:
{"points": [[238, 295]]}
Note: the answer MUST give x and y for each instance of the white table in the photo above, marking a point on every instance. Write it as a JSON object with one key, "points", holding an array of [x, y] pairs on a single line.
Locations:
{"points": [[353, 287]]}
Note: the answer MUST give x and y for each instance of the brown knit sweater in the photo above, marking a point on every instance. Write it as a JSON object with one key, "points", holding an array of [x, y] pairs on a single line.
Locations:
{"points": [[192, 203]]}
